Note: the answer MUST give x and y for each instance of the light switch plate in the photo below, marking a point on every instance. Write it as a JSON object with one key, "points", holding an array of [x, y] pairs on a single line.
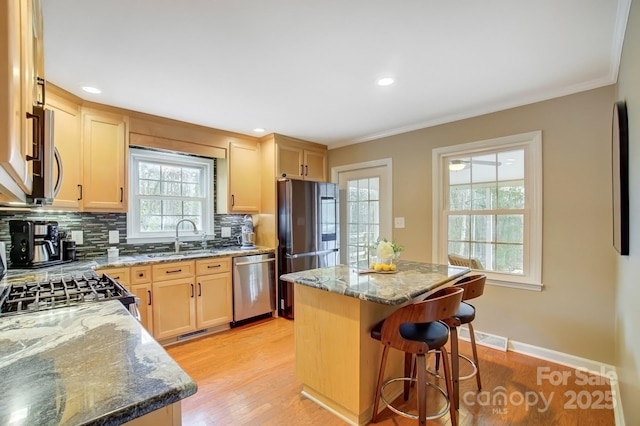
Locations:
{"points": [[77, 236], [226, 231], [114, 237], [398, 222]]}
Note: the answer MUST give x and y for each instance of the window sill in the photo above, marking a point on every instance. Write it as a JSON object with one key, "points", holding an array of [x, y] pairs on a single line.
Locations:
{"points": [[516, 285]]}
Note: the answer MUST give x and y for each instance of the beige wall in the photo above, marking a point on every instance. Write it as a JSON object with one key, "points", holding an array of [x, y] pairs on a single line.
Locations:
{"points": [[574, 313], [628, 267]]}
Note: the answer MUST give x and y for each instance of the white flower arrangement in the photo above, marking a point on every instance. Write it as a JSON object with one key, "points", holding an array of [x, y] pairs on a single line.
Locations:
{"points": [[386, 249]]}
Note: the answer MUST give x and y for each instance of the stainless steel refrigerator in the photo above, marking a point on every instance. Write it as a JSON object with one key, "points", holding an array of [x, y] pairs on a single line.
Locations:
{"points": [[307, 232]]}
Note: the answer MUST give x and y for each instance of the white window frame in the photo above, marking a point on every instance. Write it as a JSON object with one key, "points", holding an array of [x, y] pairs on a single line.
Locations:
{"points": [[531, 142], [133, 219]]}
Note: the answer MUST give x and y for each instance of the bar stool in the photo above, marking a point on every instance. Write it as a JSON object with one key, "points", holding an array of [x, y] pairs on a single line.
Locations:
{"points": [[473, 286], [417, 329]]}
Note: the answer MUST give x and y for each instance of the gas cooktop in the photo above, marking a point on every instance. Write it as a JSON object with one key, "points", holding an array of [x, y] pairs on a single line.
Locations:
{"points": [[30, 297]]}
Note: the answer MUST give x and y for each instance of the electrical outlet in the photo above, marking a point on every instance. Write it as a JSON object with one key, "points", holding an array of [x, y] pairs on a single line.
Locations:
{"points": [[398, 222], [77, 236], [114, 237], [226, 232]]}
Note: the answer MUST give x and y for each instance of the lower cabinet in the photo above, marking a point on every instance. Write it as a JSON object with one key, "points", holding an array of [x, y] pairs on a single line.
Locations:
{"points": [[174, 307], [214, 301], [177, 298]]}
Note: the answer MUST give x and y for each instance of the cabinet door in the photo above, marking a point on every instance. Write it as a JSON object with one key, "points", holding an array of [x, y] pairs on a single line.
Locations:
{"points": [[289, 161], [315, 165], [244, 178], [104, 165], [66, 131], [143, 292], [214, 300], [15, 129], [174, 307]]}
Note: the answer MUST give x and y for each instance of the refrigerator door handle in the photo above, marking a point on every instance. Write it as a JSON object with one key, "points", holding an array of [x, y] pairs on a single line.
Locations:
{"points": [[298, 256], [327, 251]]}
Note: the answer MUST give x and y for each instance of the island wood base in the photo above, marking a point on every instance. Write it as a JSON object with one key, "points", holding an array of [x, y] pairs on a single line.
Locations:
{"points": [[336, 359]]}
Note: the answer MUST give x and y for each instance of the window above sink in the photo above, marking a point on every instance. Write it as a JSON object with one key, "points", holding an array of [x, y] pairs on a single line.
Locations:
{"points": [[165, 188]]}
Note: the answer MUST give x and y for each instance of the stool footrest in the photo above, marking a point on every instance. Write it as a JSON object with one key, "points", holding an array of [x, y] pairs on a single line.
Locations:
{"points": [[444, 411]]}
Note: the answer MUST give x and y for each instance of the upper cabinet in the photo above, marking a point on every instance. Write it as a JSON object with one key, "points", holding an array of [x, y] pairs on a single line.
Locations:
{"points": [[104, 162], [20, 62], [67, 136], [244, 178], [92, 144], [300, 159]]}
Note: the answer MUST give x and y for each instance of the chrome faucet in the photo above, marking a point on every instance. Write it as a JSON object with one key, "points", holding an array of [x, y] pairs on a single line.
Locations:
{"points": [[195, 231]]}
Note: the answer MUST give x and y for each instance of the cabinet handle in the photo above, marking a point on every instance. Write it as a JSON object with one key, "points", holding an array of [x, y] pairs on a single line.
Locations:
{"points": [[121, 194], [141, 274], [199, 289], [116, 278], [149, 293], [175, 271], [214, 266], [80, 191], [191, 290], [233, 200], [37, 140], [306, 170], [301, 169], [40, 82]]}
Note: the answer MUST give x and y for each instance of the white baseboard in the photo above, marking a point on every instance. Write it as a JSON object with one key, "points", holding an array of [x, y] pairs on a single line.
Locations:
{"points": [[573, 361]]}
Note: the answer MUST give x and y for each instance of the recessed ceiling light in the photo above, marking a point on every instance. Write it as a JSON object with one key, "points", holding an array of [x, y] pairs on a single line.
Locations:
{"points": [[385, 81], [90, 89], [258, 130]]}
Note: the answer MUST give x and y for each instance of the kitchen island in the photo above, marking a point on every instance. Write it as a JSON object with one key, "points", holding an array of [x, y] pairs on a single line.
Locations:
{"points": [[335, 308]]}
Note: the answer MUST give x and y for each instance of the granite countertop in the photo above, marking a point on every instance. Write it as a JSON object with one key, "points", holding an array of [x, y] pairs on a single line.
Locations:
{"points": [[80, 268], [90, 364], [411, 280]]}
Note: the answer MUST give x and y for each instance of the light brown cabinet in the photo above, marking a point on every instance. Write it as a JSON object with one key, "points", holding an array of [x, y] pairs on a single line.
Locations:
{"points": [[140, 278], [67, 137], [214, 299], [20, 61], [174, 304], [244, 178], [299, 160], [121, 275], [104, 166]]}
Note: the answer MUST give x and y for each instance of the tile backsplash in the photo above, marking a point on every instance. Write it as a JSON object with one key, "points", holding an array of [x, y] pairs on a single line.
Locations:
{"points": [[96, 226]]}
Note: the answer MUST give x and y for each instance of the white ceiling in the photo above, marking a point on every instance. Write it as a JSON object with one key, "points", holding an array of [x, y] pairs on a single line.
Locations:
{"points": [[308, 69]]}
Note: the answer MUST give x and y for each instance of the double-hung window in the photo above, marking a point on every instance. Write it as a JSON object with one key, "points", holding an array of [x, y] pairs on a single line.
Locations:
{"points": [[488, 208], [165, 188]]}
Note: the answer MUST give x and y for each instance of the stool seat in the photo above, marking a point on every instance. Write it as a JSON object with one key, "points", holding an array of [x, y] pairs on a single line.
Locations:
{"points": [[434, 334], [466, 313]]}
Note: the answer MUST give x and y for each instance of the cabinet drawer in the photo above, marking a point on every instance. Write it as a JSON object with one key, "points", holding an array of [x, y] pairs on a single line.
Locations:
{"points": [[213, 266], [119, 274], [173, 270], [140, 274]]}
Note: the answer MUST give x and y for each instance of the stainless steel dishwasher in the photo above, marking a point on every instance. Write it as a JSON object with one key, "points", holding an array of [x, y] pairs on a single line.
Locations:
{"points": [[253, 286]]}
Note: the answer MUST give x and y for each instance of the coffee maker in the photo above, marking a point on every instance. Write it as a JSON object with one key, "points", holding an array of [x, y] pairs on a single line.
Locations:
{"points": [[248, 237], [34, 243]]}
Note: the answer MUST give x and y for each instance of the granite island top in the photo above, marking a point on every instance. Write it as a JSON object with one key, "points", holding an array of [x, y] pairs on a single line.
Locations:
{"points": [[89, 364], [410, 280]]}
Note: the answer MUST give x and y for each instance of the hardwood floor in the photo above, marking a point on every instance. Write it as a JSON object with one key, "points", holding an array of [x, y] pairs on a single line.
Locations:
{"points": [[246, 376]]}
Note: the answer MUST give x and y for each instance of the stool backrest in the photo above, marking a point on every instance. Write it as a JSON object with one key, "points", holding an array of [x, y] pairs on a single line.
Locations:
{"points": [[443, 305], [473, 286]]}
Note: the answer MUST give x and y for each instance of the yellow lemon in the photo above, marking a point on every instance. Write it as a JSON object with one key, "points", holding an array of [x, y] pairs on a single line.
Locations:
{"points": [[373, 266], [386, 267], [378, 267], [392, 267]]}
